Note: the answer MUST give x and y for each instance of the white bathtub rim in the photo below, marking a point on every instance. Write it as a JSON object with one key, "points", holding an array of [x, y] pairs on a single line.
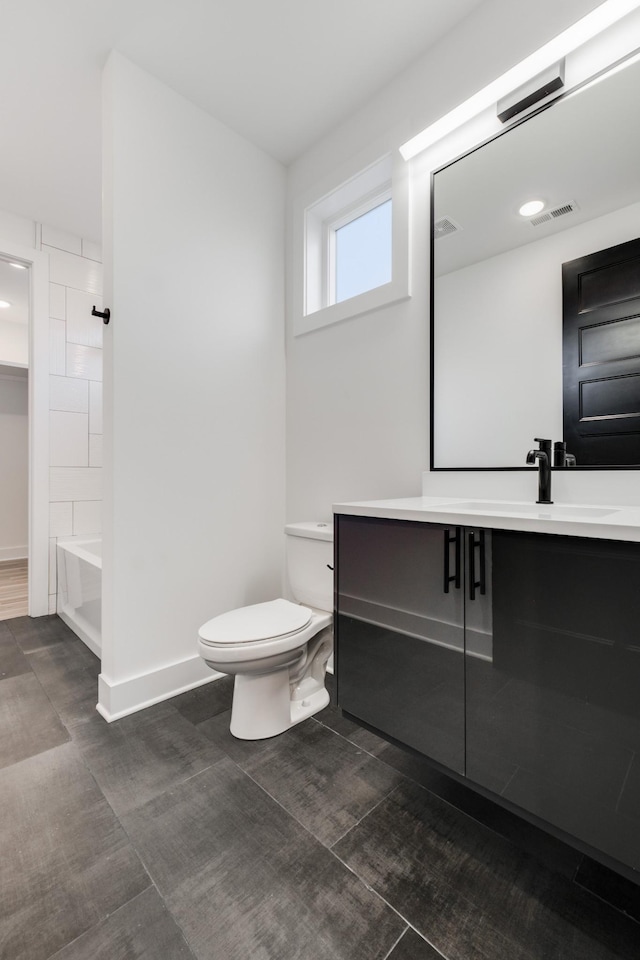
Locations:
{"points": [[75, 545]]}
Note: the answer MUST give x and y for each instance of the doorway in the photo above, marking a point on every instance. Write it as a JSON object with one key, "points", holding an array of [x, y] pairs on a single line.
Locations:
{"points": [[24, 367]]}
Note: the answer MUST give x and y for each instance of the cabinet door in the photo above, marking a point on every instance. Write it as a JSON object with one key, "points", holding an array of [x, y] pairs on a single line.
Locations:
{"points": [[553, 718], [399, 632]]}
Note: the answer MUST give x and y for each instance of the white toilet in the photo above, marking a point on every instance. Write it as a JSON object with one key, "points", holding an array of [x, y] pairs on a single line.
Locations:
{"points": [[278, 651]]}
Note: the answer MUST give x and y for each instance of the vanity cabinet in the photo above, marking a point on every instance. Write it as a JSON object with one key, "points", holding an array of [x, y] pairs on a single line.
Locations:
{"points": [[400, 628], [553, 719], [510, 658]]}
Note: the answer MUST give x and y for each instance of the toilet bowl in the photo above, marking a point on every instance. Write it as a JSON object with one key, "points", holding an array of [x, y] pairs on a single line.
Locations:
{"points": [[278, 650]]}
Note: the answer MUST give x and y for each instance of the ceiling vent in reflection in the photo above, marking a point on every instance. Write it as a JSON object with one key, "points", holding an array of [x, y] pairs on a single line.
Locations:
{"points": [[444, 227], [548, 215]]}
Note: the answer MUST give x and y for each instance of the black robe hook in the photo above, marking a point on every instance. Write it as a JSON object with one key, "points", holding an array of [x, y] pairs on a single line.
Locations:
{"points": [[106, 314]]}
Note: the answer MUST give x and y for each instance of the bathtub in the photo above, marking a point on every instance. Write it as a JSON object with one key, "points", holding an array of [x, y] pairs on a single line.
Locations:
{"points": [[79, 600]]}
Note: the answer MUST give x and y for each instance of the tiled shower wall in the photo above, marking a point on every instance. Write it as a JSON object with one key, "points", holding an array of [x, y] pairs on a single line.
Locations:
{"points": [[75, 275]]}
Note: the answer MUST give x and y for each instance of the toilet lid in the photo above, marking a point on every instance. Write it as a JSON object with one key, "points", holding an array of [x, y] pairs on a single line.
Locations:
{"points": [[261, 621]]}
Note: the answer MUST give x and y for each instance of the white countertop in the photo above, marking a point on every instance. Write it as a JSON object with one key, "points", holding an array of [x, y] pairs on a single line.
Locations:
{"points": [[566, 519]]}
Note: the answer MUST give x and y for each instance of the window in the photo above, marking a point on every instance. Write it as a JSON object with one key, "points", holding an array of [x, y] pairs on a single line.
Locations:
{"points": [[360, 253], [355, 247]]}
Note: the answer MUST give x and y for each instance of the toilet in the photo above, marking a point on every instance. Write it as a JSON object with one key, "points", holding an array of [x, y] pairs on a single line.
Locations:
{"points": [[278, 650]]}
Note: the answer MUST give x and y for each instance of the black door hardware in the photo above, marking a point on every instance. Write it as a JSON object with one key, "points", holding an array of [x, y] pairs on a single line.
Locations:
{"points": [[448, 578], [482, 582], [105, 314]]}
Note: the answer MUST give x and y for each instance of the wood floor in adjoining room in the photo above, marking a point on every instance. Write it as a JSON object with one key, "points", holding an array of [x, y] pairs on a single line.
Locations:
{"points": [[13, 588]]}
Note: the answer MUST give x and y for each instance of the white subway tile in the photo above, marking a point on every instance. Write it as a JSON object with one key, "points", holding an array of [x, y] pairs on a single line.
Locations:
{"points": [[53, 579], [52, 603], [57, 301], [81, 326], [75, 483], [95, 449], [84, 362], [60, 519], [91, 250], [95, 407], [68, 439], [87, 517], [74, 271], [57, 347], [68, 393], [52, 237]]}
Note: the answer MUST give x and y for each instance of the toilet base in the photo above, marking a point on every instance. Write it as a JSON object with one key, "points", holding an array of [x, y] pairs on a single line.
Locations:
{"points": [[262, 705], [301, 709]]}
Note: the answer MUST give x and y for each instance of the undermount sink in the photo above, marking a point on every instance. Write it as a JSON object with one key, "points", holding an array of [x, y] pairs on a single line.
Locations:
{"points": [[546, 510]]}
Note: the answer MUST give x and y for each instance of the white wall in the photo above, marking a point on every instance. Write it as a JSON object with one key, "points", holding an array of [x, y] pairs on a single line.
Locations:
{"points": [[358, 391], [14, 343], [14, 464], [194, 383]]}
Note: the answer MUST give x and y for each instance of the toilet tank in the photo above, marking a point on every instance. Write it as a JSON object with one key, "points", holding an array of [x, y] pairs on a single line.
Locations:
{"points": [[310, 563]]}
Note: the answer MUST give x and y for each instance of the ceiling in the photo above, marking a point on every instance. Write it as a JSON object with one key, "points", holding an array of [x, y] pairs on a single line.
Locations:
{"points": [[280, 72]]}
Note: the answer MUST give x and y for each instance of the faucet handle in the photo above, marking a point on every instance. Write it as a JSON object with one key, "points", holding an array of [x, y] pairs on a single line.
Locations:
{"points": [[545, 446]]}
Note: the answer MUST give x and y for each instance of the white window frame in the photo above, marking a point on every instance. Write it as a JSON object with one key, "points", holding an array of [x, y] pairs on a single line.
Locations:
{"points": [[386, 178]]}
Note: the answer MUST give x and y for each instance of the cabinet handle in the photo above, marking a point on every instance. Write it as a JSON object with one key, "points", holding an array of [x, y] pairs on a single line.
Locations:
{"points": [[482, 582], [448, 540]]}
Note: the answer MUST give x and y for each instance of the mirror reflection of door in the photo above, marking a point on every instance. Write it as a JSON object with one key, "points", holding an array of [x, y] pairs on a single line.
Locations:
{"points": [[14, 432], [601, 355]]}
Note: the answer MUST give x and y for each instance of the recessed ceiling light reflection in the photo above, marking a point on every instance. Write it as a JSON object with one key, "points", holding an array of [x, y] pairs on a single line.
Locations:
{"points": [[4, 304], [531, 207], [18, 266]]}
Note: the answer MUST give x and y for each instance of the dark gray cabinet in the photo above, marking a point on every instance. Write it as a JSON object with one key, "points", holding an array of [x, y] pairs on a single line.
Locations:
{"points": [[521, 673], [400, 629]]}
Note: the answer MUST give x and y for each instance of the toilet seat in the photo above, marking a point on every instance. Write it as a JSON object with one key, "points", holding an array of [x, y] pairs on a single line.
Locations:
{"points": [[272, 620]]}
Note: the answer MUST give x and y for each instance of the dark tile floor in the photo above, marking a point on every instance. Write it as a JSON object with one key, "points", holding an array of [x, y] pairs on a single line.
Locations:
{"points": [[161, 837]]}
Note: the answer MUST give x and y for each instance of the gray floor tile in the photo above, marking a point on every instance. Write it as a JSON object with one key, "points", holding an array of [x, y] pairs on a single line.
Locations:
{"points": [[473, 894], [28, 722], [67, 672], [140, 756], [13, 662], [34, 633], [244, 880], [217, 730], [325, 782], [206, 701], [66, 861], [141, 930], [413, 947]]}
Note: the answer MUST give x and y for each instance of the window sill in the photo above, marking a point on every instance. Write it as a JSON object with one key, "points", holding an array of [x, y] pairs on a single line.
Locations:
{"points": [[383, 296]]}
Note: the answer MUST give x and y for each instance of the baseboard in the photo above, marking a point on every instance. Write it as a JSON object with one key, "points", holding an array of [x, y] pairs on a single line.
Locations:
{"points": [[14, 553], [119, 699]]}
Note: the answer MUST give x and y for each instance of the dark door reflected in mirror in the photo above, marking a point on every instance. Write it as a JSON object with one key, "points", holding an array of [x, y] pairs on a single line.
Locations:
{"points": [[497, 281]]}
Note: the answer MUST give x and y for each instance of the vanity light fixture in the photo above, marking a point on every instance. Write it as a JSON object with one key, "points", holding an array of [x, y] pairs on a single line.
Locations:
{"points": [[4, 304], [531, 207], [570, 39]]}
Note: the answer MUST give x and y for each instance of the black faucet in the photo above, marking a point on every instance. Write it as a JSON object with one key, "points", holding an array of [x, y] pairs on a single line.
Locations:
{"points": [[543, 456], [560, 456]]}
